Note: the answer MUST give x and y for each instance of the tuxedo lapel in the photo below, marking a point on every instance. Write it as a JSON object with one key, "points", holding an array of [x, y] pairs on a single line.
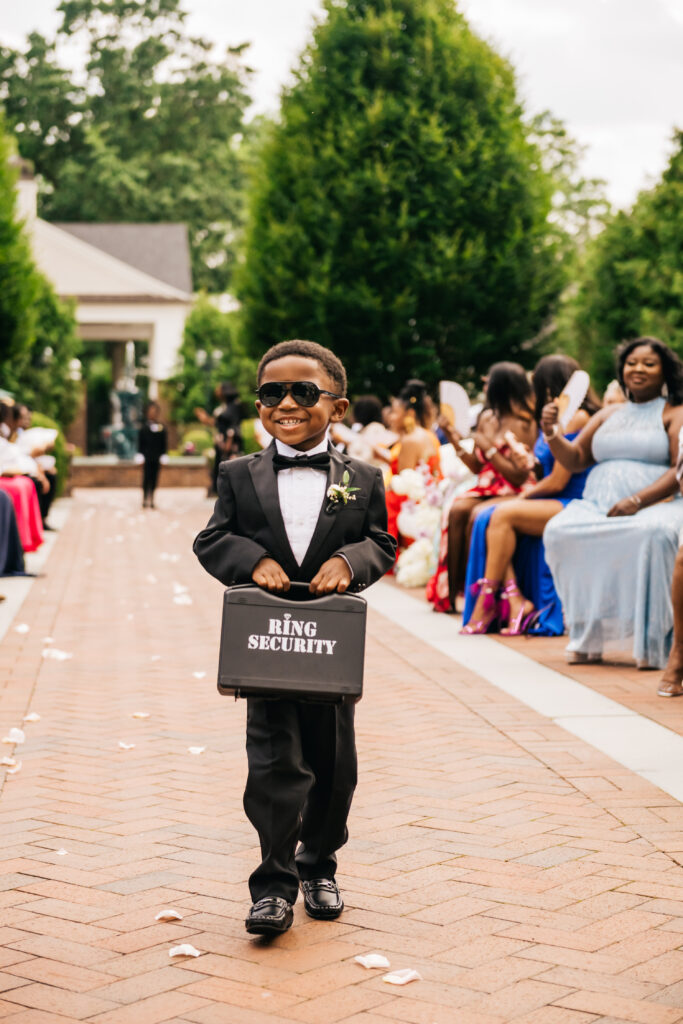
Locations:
{"points": [[326, 520], [264, 479]]}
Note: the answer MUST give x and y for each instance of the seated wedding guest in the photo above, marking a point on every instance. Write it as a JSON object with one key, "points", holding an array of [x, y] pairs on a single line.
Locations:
{"points": [[19, 477], [500, 472], [612, 552], [47, 466], [11, 551], [371, 441], [417, 445], [509, 585]]}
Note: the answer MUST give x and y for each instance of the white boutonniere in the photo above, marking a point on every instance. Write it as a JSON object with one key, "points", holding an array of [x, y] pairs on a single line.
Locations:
{"points": [[340, 494]]}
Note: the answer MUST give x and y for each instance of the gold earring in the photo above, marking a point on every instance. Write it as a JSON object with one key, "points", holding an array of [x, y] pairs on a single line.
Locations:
{"points": [[409, 421]]}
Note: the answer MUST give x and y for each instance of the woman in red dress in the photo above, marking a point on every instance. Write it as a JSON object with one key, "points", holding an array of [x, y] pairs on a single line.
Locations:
{"points": [[505, 431], [14, 467], [417, 445]]}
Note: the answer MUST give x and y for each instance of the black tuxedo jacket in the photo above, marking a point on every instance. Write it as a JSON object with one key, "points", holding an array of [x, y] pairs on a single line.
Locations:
{"points": [[152, 443], [247, 524]]}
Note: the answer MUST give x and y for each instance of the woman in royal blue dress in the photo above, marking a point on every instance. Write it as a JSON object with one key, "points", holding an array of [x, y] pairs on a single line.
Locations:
{"points": [[509, 584]]}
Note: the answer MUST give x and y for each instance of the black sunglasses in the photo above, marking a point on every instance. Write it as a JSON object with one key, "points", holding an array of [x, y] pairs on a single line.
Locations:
{"points": [[304, 393]]}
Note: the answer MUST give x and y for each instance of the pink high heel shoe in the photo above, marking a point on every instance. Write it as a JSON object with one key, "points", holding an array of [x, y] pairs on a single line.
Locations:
{"points": [[489, 588], [523, 621]]}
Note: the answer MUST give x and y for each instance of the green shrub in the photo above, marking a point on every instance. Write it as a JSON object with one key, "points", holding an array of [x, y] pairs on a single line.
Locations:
{"points": [[200, 437], [249, 437]]}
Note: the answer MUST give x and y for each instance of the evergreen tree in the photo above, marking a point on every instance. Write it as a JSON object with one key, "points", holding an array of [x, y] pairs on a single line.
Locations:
{"points": [[149, 133], [38, 337], [209, 355], [400, 211], [631, 281], [18, 277], [41, 375]]}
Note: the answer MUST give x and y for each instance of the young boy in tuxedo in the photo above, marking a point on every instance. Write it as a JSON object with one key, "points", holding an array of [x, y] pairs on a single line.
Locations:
{"points": [[273, 524], [152, 446]]}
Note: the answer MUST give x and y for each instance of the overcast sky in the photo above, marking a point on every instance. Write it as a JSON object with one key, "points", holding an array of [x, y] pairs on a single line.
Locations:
{"points": [[612, 69]]}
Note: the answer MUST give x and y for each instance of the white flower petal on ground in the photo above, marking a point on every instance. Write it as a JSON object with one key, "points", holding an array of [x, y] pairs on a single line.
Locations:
{"points": [[14, 736], [165, 556], [32, 716], [182, 599], [126, 746], [155, 657], [168, 915], [372, 960], [61, 852], [7, 762], [199, 675], [180, 588], [403, 976], [196, 750], [48, 640], [150, 578], [130, 616], [185, 949], [55, 654], [140, 714], [13, 771], [22, 627]]}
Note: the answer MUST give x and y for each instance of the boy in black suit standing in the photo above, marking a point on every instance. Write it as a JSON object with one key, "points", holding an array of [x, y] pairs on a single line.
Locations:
{"points": [[152, 446], [276, 521]]}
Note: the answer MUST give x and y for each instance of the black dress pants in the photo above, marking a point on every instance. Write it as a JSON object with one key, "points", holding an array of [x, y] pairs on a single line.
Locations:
{"points": [[302, 775], [150, 475]]}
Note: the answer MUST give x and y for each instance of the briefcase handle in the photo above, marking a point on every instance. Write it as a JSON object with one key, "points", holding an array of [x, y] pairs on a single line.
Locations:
{"points": [[297, 592]]}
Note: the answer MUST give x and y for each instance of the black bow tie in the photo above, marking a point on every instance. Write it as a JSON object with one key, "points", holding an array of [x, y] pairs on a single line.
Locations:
{"points": [[320, 461]]}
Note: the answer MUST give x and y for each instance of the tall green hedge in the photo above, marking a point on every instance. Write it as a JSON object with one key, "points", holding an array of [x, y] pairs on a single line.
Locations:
{"points": [[399, 213], [631, 282]]}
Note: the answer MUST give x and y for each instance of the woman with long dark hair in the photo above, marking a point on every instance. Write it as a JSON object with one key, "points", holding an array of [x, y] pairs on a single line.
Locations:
{"points": [[508, 415], [509, 584], [409, 418], [612, 552]]}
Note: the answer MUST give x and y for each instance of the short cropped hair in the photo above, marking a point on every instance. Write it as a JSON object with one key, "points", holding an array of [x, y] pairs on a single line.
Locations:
{"points": [[330, 363], [367, 409]]}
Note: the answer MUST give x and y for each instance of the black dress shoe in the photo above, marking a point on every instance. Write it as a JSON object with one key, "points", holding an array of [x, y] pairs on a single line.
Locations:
{"points": [[322, 899], [269, 916]]}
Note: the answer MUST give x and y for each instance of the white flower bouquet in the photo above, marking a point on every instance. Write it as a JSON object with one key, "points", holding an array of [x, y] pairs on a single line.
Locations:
{"points": [[416, 564], [410, 482]]}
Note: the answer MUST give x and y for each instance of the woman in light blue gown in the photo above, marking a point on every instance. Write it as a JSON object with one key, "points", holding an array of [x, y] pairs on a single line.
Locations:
{"points": [[612, 552]]}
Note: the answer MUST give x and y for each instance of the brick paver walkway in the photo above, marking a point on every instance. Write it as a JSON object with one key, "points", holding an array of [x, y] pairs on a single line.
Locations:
{"points": [[527, 877], [618, 678]]}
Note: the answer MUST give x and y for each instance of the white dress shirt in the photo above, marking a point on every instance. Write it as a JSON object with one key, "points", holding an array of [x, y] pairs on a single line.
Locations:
{"points": [[301, 493]]}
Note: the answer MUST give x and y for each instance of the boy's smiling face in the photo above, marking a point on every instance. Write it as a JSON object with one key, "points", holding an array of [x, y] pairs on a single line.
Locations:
{"points": [[294, 424]]}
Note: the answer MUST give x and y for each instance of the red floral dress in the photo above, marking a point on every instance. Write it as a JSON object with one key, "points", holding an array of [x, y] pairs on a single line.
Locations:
{"points": [[395, 501], [490, 484]]}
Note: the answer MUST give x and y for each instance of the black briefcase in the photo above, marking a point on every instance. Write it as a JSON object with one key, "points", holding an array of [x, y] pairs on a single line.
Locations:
{"points": [[292, 645]]}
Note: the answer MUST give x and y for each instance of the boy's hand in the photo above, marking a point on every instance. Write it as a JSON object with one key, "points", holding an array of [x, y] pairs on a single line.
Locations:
{"points": [[334, 574], [269, 574]]}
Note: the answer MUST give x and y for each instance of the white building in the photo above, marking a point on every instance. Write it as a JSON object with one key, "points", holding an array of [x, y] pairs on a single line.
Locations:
{"points": [[131, 282]]}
